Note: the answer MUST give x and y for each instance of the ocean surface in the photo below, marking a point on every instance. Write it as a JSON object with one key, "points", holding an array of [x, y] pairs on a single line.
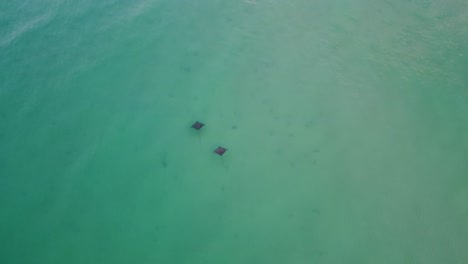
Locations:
{"points": [[346, 124]]}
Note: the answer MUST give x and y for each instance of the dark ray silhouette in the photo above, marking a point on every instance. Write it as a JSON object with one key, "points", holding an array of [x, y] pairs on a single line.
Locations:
{"points": [[220, 151], [198, 125]]}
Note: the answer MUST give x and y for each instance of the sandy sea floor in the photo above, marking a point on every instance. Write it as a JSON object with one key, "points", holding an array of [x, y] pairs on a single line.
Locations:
{"points": [[345, 122]]}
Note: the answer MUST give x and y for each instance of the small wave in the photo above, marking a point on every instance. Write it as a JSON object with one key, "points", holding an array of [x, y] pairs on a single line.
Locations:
{"points": [[250, 2], [126, 14], [23, 28], [138, 9]]}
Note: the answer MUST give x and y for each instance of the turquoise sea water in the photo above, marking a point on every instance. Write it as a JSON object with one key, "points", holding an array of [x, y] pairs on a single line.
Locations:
{"points": [[345, 122]]}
